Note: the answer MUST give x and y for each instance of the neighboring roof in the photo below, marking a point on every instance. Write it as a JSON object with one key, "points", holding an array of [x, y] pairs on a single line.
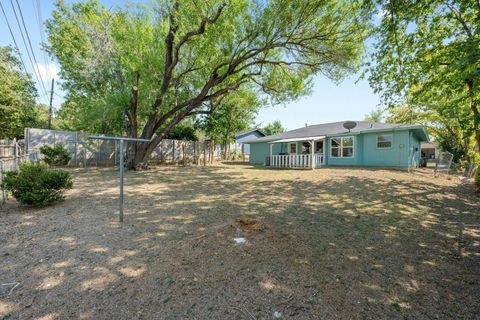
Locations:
{"points": [[243, 133], [329, 129], [425, 144]]}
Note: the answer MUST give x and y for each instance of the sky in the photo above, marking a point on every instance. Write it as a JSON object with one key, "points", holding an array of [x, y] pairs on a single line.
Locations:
{"points": [[352, 99]]}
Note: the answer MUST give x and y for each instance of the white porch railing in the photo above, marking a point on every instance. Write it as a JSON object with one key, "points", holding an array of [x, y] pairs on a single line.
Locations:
{"points": [[296, 161]]}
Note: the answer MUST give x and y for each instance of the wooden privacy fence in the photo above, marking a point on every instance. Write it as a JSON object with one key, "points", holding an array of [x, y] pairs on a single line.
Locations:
{"points": [[10, 148], [87, 152]]}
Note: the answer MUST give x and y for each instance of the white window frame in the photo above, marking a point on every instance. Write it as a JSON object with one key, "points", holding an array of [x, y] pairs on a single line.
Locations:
{"points": [[341, 147], [290, 147], [384, 135]]}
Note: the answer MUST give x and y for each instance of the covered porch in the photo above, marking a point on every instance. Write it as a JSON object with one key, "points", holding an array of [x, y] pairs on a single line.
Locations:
{"points": [[305, 152]]}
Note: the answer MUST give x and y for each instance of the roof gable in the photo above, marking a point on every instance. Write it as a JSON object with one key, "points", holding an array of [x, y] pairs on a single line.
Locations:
{"points": [[247, 132]]}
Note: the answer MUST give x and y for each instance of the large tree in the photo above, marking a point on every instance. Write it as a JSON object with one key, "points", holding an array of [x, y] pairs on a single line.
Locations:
{"points": [[17, 97], [427, 57], [227, 116], [154, 65], [273, 128]]}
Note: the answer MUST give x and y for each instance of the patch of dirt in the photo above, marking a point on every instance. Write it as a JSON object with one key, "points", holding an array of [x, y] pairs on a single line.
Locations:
{"points": [[412, 254], [249, 224]]}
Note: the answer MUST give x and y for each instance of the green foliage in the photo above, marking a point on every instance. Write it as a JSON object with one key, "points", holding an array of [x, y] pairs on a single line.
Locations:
{"points": [[234, 113], [183, 132], [17, 97], [179, 56], [36, 185], [427, 57], [56, 156], [375, 115], [273, 128]]}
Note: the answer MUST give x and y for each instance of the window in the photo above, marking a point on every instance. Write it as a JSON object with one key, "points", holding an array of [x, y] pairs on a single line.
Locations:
{"points": [[319, 147], [306, 148], [292, 148], [341, 147], [384, 141]]}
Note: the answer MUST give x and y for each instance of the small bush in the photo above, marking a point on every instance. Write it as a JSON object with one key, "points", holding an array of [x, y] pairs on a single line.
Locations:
{"points": [[56, 156], [37, 185]]}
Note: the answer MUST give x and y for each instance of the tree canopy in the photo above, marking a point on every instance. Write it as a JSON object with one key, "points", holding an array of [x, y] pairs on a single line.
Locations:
{"points": [[375, 115], [427, 58], [273, 128], [142, 69], [18, 108], [234, 113]]}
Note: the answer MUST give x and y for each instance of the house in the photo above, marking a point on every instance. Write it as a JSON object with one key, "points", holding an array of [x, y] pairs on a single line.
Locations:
{"points": [[341, 144], [430, 150], [248, 135]]}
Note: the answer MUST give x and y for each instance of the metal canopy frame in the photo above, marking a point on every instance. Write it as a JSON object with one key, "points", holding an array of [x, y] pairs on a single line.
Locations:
{"points": [[121, 139]]}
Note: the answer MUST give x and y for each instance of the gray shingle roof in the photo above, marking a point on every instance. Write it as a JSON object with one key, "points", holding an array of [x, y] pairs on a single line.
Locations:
{"points": [[241, 133], [328, 129]]}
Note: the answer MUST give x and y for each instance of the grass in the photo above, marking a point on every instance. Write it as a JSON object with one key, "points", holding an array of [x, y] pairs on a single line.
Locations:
{"points": [[339, 243]]}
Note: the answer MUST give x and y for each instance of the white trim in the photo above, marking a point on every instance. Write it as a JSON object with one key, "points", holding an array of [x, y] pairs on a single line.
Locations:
{"points": [[341, 147], [299, 139], [384, 135]]}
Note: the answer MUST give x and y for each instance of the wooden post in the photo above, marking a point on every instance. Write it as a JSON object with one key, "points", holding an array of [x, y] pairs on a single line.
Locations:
{"points": [[184, 153], [16, 153], [204, 153], [195, 152], [312, 162], [84, 157]]}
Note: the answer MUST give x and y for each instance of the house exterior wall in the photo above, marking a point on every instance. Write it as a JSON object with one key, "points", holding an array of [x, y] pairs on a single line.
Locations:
{"points": [[415, 150], [396, 156], [260, 151], [405, 146], [357, 158], [246, 137]]}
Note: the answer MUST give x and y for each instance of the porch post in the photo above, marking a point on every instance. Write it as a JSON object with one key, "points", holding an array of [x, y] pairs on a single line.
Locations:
{"points": [[312, 162], [271, 154]]}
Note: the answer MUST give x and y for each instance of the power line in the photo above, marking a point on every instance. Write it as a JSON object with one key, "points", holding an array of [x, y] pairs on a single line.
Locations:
{"points": [[38, 15], [30, 44], [13, 37], [26, 48]]}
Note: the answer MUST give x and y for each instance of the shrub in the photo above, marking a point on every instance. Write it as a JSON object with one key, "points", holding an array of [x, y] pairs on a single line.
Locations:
{"points": [[35, 184], [56, 156]]}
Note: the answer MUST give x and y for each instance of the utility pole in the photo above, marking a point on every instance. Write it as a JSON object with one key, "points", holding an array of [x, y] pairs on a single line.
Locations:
{"points": [[50, 107]]}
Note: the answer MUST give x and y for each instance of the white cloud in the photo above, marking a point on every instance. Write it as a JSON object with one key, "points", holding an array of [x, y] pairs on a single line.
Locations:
{"points": [[47, 71]]}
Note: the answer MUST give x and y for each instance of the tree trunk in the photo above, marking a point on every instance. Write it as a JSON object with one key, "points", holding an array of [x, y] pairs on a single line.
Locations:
{"points": [[131, 126], [476, 113]]}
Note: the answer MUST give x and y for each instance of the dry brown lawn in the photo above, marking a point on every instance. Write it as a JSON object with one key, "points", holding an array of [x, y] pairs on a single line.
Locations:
{"points": [[333, 244]]}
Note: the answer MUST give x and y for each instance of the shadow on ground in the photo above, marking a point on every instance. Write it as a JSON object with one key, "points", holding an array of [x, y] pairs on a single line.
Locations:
{"points": [[338, 244]]}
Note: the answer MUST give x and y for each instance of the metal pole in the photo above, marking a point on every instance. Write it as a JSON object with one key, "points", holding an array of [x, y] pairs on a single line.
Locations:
{"points": [[121, 180]]}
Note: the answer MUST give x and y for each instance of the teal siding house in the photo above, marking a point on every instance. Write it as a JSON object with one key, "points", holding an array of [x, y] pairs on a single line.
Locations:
{"points": [[341, 144]]}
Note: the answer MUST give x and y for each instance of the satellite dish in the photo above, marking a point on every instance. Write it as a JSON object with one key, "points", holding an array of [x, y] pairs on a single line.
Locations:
{"points": [[349, 125]]}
